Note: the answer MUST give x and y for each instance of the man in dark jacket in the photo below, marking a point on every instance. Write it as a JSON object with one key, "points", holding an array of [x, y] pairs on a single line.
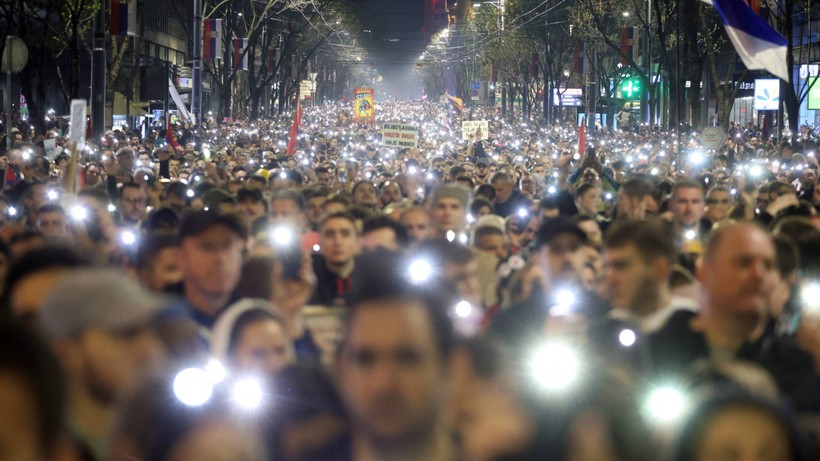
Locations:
{"points": [[737, 275]]}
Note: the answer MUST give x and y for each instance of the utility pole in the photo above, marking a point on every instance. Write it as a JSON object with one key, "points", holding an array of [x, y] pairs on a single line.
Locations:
{"points": [[98, 73], [196, 93]]}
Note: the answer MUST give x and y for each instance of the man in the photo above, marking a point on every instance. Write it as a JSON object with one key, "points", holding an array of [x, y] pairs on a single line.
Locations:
{"points": [[210, 259], [588, 199], [383, 233], [97, 321], [52, 221], [391, 192], [323, 176], [288, 207], [634, 197], [639, 256], [489, 236], [719, 201], [340, 244], [737, 276], [687, 206], [158, 262], [33, 406], [416, 221], [315, 197], [251, 203], [365, 195], [448, 208], [393, 367], [482, 172], [508, 199], [132, 203]]}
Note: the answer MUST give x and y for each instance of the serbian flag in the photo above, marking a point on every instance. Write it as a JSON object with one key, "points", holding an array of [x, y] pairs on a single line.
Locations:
{"points": [[457, 102], [212, 37], [756, 42], [629, 42], [582, 138], [580, 59], [240, 57], [294, 130], [169, 136], [123, 17]]}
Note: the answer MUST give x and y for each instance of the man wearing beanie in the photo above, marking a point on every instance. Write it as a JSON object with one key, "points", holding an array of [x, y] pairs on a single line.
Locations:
{"points": [[448, 208]]}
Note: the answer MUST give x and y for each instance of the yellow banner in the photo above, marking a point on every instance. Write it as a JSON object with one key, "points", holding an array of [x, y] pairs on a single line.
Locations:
{"points": [[364, 109]]}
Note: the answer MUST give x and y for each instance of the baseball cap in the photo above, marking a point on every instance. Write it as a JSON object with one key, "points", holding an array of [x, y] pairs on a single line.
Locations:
{"points": [[482, 161], [214, 197], [198, 221], [97, 298], [554, 227]]}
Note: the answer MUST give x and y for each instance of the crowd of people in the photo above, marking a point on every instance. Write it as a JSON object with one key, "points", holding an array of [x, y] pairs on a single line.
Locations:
{"points": [[212, 293]]}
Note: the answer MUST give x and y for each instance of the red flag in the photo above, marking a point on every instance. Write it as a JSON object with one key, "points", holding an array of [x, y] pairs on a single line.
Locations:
{"points": [[169, 136], [294, 130], [582, 139]]}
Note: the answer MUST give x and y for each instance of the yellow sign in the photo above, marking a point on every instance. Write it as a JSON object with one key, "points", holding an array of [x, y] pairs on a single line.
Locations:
{"points": [[364, 109]]}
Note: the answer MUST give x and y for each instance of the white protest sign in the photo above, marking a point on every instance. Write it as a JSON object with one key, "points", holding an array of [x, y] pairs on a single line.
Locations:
{"points": [[399, 135], [478, 128], [76, 128]]}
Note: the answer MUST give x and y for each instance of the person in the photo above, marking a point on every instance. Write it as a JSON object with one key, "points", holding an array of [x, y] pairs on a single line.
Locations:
{"points": [[33, 409], [639, 256], [489, 236], [448, 208], [251, 203], [157, 262], [719, 201], [251, 338], [416, 221], [365, 195], [737, 276], [392, 366], [508, 199], [633, 198], [381, 232], [315, 198], [687, 205], [32, 277], [340, 244], [98, 322], [588, 199], [132, 203], [210, 259], [52, 221]]}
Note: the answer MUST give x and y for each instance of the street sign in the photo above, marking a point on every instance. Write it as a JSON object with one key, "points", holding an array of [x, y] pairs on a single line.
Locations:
{"points": [[19, 55], [713, 137], [475, 88]]}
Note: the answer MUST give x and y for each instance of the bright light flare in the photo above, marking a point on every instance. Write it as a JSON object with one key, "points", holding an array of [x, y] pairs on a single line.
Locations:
{"points": [[665, 404], [419, 271], [247, 393], [555, 366], [128, 238], [810, 296], [282, 236], [627, 337], [79, 213], [192, 387]]}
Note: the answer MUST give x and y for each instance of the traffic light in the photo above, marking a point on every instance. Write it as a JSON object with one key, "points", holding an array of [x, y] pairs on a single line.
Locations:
{"points": [[631, 88]]}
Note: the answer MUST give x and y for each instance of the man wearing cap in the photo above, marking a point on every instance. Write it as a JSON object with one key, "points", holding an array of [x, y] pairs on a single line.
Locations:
{"points": [[252, 203], [210, 258], [98, 323], [559, 259], [448, 208], [218, 200], [482, 171]]}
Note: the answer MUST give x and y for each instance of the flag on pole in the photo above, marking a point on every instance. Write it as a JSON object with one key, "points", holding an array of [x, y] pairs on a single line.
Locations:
{"points": [[629, 45], [212, 35], [458, 103], [184, 115], [756, 42], [240, 56], [580, 58], [294, 130], [123, 17], [582, 139], [169, 135]]}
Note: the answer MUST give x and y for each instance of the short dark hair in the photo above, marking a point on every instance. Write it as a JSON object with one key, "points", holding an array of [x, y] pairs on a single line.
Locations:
{"points": [[151, 246], [636, 187], [484, 231], [383, 222], [290, 194], [51, 256], [339, 215], [24, 356], [50, 208], [128, 185], [381, 277], [652, 238], [582, 189], [685, 184]]}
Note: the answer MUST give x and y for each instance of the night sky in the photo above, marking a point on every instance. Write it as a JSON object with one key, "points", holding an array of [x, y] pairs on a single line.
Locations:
{"points": [[395, 41]]}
